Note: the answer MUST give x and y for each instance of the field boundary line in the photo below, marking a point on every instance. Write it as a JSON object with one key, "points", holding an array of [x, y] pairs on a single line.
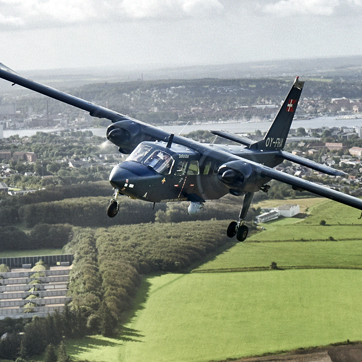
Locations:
{"points": [[268, 268]]}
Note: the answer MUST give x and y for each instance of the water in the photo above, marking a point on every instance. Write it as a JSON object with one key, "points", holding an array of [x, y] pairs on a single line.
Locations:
{"points": [[232, 127]]}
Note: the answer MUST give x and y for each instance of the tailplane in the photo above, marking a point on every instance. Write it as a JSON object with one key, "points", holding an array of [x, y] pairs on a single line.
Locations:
{"points": [[277, 135]]}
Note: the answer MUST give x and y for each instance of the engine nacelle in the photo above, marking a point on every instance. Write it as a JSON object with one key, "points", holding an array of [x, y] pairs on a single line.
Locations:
{"points": [[238, 176], [125, 134]]}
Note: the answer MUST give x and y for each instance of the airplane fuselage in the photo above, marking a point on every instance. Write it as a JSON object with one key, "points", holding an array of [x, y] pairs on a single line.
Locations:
{"points": [[193, 175]]}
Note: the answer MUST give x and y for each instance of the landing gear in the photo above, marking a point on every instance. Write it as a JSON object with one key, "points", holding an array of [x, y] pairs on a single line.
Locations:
{"points": [[238, 228], [231, 231], [242, 232], [112, 209], [113, 206]]}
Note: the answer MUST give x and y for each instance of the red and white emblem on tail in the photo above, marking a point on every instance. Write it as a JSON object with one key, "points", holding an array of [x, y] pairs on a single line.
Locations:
{"points": [[290, 105]]}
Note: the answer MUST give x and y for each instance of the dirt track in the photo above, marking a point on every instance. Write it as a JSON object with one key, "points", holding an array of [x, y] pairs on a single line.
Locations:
{"points": [[343, 353]]}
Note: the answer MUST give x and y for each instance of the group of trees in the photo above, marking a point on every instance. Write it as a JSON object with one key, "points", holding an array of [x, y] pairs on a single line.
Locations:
{"points": [[41, 236], [109, 263], [25, 338], [53, 153]]}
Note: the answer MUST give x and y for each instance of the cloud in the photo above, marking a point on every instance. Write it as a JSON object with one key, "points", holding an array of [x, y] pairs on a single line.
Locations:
{"points": [[168, 8], [313, 7], [54, 13]]}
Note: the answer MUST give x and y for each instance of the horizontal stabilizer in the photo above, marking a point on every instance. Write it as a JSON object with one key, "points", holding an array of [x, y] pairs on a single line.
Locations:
{"points": [[308, 163], [231, 137], [311, 186]]}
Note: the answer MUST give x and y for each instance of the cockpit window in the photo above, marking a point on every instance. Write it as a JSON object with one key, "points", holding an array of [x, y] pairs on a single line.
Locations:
{"points": [[158, 160], [139, 154]]}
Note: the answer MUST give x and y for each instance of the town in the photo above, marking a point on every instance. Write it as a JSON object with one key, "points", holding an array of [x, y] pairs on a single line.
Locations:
{"points": [[181, 102]]}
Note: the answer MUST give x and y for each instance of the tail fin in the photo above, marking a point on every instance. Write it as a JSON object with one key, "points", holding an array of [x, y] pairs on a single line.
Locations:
{"points": [[276, 137]]}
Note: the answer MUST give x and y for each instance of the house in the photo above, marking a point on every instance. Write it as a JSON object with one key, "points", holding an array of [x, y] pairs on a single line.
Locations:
{"points": [[267, 216], [312, 151], [78, 164], [5, 155], [3, 188], [289, 210], [273, 214], [356, 151], [30, 156], [332, 146]]}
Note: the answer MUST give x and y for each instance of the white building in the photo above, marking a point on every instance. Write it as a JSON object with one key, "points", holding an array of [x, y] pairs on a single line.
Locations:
{"points": [[267, 216], [289, 210], [284, 210]]}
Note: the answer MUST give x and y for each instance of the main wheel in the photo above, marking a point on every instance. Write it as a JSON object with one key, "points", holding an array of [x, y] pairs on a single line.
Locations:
{"points": [[231, 230], [112, 209], [242, 232]]}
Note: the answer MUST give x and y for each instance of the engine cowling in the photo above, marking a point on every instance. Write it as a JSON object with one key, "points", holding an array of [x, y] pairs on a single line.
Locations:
{"points": [[124, 134], [238, 176]]}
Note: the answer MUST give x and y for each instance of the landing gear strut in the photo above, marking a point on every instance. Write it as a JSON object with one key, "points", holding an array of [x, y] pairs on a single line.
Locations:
{"points": [[113, 206], [238, 228]]}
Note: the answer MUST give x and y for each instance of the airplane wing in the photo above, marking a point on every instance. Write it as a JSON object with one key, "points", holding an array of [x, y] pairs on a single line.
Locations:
{"points": [[231, 137], [311, 164], [310, 186], [94, 110], [283, 154]]}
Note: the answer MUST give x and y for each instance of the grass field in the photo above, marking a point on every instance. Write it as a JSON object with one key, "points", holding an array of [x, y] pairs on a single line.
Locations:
{"points": [[202, 317], [327, 254], [16, 254], [208, 315]]}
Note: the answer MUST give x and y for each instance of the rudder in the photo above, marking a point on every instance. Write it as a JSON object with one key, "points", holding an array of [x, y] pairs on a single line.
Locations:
{"points": [[277, 134]]}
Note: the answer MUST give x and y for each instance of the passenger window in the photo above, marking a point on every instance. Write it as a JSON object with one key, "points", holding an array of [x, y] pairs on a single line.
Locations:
{"points": [[193, 168], [181, 168], [207, 168]]}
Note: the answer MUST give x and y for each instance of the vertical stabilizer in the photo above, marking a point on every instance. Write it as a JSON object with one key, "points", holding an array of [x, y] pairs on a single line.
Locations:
{"points": [[276, 137]]}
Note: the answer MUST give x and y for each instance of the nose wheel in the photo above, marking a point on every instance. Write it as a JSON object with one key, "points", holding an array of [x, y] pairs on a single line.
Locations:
{"points": [[113, 207]]}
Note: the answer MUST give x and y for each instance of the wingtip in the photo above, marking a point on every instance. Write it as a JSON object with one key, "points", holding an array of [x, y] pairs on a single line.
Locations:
{"points": [[4, 67]]}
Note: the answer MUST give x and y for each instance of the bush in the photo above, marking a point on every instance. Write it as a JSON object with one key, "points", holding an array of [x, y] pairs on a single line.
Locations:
{"points": [[4, 268]]}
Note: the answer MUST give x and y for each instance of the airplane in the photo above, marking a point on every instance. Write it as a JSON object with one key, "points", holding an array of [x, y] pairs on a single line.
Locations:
{"points": [[163, 167]]}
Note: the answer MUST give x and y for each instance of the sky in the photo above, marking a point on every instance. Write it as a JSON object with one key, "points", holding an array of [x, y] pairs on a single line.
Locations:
{"points": [[131, 34]]}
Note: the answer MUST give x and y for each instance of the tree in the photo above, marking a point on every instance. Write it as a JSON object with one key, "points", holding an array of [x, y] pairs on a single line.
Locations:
{"points": [[301, 131], [23, 353], [62, 354], [50, 355], [108, 322]]}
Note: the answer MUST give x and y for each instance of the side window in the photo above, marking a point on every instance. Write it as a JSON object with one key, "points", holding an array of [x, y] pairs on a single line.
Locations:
{"points": [[181, 168], [207, 168], [193, 168]]}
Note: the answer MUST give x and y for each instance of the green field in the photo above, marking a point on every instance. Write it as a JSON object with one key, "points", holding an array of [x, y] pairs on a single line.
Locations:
{"points": [[19, 253], [202, 317], [218, 312]]}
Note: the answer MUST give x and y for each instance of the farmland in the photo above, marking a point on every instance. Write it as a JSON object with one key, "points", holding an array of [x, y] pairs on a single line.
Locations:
{"points": [[222, 310]]}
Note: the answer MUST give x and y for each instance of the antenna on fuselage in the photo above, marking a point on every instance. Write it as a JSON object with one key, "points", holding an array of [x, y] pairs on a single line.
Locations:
{"points": [[170, 139], [184, 128]]}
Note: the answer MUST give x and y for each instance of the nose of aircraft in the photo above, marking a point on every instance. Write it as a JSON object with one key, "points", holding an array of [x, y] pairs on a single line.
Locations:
{"points": [[120, 176]]}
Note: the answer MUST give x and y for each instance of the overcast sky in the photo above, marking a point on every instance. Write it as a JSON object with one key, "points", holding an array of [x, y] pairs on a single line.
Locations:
{"points": [[47, 34]]}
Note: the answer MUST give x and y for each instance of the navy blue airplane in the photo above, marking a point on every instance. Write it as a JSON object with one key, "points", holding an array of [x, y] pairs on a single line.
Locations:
{"points": [[162, 167]]}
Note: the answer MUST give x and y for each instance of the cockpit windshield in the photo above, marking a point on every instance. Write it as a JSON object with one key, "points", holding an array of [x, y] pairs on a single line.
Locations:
{"points": [[157, 159]]}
